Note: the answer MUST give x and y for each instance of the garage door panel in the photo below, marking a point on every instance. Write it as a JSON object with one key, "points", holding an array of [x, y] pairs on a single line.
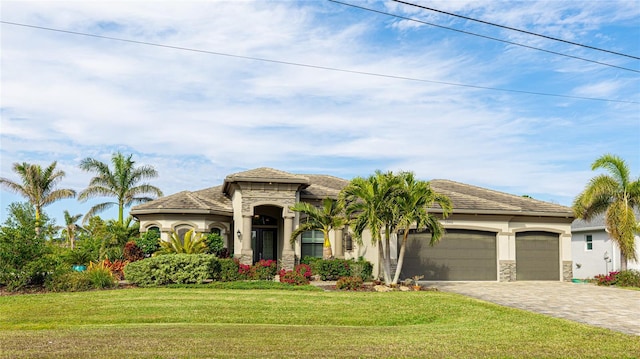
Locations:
{"points": [[537, 256], [460, 255]]}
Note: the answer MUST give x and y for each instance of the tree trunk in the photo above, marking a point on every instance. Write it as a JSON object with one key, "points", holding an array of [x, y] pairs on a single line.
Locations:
{"points": [[403, 248], [623, 261], [327, 253], [382, 265]]}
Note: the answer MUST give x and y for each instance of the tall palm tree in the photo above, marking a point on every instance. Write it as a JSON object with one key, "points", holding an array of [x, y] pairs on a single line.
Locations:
{"points": [[616, 195], [71, 227], [38, 186], [413, 205], [324, 219], [121, 182], [371, 204]]}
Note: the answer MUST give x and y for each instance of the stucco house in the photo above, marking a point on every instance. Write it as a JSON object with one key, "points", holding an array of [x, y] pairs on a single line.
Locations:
{"points": [[593, 250], [491, 235]]}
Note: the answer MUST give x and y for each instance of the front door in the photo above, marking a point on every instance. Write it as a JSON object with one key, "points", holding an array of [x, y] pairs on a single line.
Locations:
{"points": [[264, 243]]}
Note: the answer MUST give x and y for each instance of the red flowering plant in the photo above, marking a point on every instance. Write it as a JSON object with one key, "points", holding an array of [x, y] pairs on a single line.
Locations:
{"points": [[293, 277], [607, 279], [116, 267], [244, 271], [303, 269], [265, 269]]}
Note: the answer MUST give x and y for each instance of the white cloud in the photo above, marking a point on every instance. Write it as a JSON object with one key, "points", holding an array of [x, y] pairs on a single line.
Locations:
{"points": [[198, 117]]}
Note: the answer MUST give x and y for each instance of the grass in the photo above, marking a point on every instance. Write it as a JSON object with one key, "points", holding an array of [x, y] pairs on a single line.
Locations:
{"points": [[211, 322]]}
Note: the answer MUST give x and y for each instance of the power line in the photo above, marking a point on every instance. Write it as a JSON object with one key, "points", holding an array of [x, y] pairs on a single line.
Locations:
{"points": [[486, 37], [519, 30], [314, 66]]}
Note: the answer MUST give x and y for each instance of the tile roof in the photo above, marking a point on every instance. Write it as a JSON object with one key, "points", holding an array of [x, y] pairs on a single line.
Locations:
{"points": [[263, 174], [323, 186], [209, 200], [466, 198], [471, 199]]}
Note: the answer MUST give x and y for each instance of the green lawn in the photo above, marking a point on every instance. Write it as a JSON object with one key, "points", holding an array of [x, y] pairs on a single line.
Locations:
{"points": [[205, 322]]}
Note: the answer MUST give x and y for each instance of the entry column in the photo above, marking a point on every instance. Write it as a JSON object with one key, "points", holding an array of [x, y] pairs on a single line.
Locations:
{"points": [[288, 259], [246, 255]]}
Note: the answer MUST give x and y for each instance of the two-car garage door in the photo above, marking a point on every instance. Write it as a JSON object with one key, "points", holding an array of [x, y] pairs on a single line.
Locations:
{"points": [[460, 255], [468, 255]]}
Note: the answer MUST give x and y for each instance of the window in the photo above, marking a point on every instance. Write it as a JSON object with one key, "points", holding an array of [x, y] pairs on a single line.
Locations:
{"points": [[216, 231], [312, 242], [182, 230], [589, 242], [153, 229]]}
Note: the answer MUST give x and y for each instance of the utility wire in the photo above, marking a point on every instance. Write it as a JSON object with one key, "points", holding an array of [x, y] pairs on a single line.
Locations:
{"points": [[314, 66], [519, 30], [486, 37]]}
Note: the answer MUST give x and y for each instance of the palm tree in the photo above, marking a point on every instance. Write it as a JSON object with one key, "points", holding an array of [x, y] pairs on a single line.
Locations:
{"points": [[324, 219], [413, 204], [38, 186], [615, 195], [71, 228], [121, 182], [371, 204]]}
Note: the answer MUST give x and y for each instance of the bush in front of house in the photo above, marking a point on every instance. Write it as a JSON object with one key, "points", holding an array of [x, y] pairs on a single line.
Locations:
{"points": [[293, 277], [361, 268], [626, 278], [176, 268], [349, 283], [331, 269]]}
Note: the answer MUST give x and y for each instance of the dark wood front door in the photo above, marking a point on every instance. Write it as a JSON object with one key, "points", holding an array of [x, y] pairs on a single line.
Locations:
{"points": [[264, 242]]}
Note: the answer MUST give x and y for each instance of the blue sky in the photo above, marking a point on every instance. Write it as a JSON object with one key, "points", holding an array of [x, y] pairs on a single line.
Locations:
{"points": [[198, 117]]}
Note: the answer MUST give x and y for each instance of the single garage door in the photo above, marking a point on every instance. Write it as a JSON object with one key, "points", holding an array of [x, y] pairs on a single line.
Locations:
{"points": [[460, 255], [537, 256]]}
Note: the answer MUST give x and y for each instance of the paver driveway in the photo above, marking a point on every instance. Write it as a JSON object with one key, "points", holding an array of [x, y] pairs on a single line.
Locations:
{"points": [[612, 308]]}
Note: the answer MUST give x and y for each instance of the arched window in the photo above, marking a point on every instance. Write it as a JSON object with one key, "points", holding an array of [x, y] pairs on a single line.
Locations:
{"points": [[181, 230], [215, 230], [154, 229]]}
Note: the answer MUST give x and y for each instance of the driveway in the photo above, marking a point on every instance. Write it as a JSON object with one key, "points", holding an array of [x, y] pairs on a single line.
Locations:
{"points": [[607, 307]]}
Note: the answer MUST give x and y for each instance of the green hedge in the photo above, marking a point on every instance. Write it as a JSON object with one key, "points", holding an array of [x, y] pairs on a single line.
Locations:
{"points": [[333, 269], [173, 268]]}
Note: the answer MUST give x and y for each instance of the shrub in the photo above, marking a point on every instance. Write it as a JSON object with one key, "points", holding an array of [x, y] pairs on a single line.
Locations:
{"points": [[332, 269], [293, 277], [116, 267], [229, 270], [178, 268], [69, 281], [607, 279], [362, 269], [349, 283], [148, 242], [100, 276], [303, 269], [24, 255], [132, 252], [264, 270], [215, 243], [628, 278]]}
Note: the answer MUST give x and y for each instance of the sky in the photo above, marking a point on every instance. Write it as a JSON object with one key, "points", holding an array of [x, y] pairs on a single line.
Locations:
{"points": [[204, 89]]}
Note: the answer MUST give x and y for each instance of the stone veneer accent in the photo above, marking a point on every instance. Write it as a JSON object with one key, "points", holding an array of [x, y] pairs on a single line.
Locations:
{"points": [[507, 271], [567, 271], [288, 260]]}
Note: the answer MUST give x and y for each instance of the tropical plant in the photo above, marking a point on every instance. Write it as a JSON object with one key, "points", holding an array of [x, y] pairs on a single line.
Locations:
{"points": [[616, 195], [121, 182], [148, 242], [413, 203], [215, 243], [24, 255], [38, 186], [71, 228], [117, 235], [371, 204], [192, 243], [324, 219]]}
